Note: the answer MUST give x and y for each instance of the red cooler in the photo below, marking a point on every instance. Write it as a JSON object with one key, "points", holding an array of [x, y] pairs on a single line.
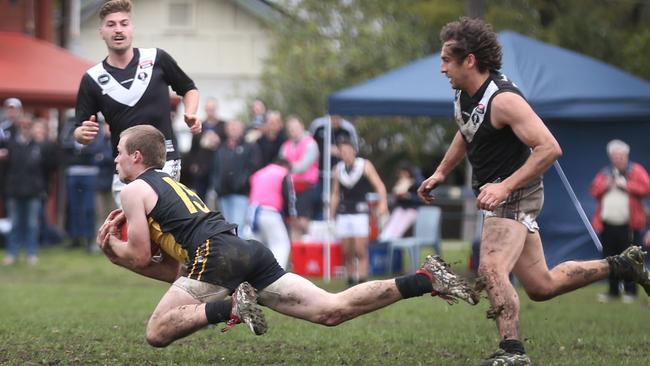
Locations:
{"points": [[307, 259]]}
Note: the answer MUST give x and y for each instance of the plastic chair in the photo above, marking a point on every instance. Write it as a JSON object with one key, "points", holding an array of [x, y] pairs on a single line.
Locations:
{"points": [[426, 232]]}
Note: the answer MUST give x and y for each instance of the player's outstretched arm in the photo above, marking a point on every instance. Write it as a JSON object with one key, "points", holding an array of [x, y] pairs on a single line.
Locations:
{"points": [[455, 153]]}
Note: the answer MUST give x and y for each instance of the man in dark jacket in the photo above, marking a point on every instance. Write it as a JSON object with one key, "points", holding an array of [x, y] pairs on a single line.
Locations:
{"points": [[27, 164], [235, 162]]}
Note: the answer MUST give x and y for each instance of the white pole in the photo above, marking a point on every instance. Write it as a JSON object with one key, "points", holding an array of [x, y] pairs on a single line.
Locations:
{"points": [[578, 206], [327, 189]]}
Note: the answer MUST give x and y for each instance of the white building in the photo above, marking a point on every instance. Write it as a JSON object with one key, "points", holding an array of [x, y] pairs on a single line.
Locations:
{"points": [[221, 44]]}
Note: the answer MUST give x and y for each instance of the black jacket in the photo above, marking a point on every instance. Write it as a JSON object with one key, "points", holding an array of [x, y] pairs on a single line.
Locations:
{"points": [[27, 166]]}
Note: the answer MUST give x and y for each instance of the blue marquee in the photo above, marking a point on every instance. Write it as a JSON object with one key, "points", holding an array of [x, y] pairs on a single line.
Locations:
{"points": [[583, 101]]}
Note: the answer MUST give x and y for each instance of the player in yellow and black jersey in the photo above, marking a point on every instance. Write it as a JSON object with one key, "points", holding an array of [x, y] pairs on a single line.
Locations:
{"points": [[219, 263]]}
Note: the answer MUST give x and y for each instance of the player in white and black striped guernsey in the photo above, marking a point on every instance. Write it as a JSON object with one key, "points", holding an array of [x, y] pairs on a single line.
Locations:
{"points": [[131, 87]]}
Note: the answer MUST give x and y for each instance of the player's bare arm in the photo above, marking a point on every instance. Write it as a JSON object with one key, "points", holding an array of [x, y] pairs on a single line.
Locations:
{"points": [[137, 250], [378, 185], [455, 153], [510, 109], [167, 270], [191, 102], [334, 198], [86, 133]]}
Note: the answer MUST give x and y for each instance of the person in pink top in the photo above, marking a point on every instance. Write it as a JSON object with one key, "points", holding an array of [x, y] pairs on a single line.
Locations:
{"points": [[301, 150], [272, 199]]}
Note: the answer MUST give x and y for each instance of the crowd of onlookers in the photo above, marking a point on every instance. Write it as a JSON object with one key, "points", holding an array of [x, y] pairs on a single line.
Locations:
{"points": [[231, 165], [32, 159], [266, 176]]}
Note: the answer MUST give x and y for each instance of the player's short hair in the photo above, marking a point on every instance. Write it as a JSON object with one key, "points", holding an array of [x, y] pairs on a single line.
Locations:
{"points": [[617, 145], [149, 141], [346, 141], [114, 6], [473, 36]]}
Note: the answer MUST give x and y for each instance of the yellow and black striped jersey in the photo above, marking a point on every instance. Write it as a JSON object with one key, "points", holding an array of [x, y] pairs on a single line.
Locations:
{"points": [[180, 221]]}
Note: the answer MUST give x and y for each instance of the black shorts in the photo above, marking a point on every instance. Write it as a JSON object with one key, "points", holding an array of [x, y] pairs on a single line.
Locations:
{"points": [[227, 260], [304, 203]]}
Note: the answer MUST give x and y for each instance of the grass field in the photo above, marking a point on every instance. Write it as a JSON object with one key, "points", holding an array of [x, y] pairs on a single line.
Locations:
{"points": [[75, 309]]}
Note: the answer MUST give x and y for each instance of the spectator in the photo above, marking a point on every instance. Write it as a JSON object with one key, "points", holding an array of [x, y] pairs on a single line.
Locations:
{"points": [[12, 111], [353, 178], [406, 200], [301, 151], [49, 232], [235, 161], [341, 130], [203, 147], [272, 199], [259, 113], [620, 189], [104, 161], [26, 168], [254, 129], [273, 136], [80, 186]]}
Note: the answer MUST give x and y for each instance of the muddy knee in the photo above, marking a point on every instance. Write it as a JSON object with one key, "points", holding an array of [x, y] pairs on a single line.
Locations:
{"points": [[332, 317], [155, 340], [489, 275]]}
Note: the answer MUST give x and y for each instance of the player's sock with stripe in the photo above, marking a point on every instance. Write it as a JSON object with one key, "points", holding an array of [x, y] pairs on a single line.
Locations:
{"points": [[512, 346], [413, 285], [218, 311]]}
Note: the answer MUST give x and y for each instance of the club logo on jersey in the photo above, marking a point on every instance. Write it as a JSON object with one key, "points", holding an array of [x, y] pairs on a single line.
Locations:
{"points": [[480, 108], [103, 79], [142, 76], [145, 64]]}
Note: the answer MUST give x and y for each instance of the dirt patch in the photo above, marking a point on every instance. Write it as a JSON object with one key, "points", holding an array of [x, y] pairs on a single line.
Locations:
{"points": [[494, 312]]}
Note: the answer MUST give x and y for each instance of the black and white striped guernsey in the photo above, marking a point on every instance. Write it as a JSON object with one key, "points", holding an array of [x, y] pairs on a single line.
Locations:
{"points": [[137, 94], [493, 153]]}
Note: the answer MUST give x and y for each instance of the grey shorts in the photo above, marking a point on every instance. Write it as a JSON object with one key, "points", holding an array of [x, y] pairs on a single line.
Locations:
{"points": [[523, 205]]}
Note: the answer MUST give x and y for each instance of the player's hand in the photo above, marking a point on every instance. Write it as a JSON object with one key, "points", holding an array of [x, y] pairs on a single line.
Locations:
{"points": [[492, 195], [429, 184], [116, 217], [646, 239], [193, 122], [111, 226], [86, 133]]}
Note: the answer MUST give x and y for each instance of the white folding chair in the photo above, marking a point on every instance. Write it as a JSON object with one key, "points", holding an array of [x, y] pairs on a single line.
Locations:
{"points": [[426, 232]]}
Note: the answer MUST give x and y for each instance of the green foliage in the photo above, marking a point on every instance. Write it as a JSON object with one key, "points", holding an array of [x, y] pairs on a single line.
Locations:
{"points": [[324, 46], [75, 309]]}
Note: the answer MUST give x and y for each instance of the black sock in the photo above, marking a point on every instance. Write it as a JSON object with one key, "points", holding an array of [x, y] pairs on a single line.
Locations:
{"points": [[413, 285], [218, 311], [512, 346]]}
